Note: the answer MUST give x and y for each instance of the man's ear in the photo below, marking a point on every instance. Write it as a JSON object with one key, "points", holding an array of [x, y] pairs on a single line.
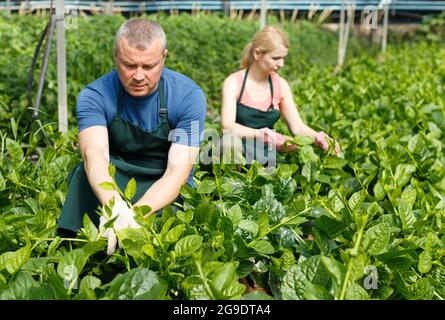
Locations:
{"points": [[165, 53]]}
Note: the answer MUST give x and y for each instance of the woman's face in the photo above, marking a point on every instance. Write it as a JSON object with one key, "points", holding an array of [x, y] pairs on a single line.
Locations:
{"points": [[271, 61]]}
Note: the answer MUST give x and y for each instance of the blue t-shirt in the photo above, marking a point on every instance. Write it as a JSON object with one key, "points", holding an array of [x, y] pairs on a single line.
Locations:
{"points": [[186, 105]]}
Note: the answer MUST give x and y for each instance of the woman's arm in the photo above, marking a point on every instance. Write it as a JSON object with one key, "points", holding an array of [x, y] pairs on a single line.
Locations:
{"points": [[228, 112], [291, 115], [296, 124]]}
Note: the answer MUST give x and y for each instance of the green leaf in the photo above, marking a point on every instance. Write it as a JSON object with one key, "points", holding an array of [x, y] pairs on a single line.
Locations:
{"points": [[356, 200], [316, 292], [287, 260], [71, 265], [403, 174], [249, 226], [285, 170], [332, 162], [186, 216], [175, 233], [137, 284], [35, 266], [107, 186], [325, 244], [307, 154], [14, 260], [132, 240], [330, 226], [408, 198], [336, 269], [149, 250], [187, 245], [89, 230], [263, 223], [130, 189], [311, 270], [262, 246], [234, 291], [303, 140], [437, 278], [14, 149], [207, 186], [356, 292], [425, 262], [111, 170], [166, 227], [419, 290], [23, 287], [416, 144], [87, 287], [376, 238], [379, 191], [141, 210], [53, 246], [223, 276], [2, 182]]}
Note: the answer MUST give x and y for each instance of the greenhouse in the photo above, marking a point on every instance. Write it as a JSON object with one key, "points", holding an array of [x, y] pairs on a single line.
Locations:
{"points": [[222, 150]]}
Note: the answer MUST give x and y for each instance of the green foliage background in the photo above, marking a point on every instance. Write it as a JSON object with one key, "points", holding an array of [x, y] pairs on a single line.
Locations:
{"points": [[378, 211]]}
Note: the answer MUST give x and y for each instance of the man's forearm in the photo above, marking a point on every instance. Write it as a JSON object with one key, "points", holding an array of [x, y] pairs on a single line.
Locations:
{"points": [[161, 193], [96, 169]]}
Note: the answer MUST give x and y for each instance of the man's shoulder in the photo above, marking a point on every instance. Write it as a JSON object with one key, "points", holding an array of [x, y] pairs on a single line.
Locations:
{"points": [[180, 81], [104, 85]]}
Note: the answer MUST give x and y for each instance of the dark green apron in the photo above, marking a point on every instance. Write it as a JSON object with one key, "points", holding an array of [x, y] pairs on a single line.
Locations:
{"points": [[134, 152], [256, 119]]}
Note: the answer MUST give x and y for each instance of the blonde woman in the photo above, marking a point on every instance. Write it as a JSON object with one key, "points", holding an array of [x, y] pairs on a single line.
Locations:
{"points": [[255, 97]]}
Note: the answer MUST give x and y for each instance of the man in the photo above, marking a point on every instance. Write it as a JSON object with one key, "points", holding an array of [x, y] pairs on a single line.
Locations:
{"points": [[126, 117]]}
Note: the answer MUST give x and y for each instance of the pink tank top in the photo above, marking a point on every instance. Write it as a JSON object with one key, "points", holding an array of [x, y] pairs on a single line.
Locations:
{"points": [[261, 105]]}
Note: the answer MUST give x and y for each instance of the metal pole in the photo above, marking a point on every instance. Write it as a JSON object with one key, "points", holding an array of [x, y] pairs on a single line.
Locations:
{"points": [[341, 34], [385, 26], [263, 14], [61, 67], [8, 6]]}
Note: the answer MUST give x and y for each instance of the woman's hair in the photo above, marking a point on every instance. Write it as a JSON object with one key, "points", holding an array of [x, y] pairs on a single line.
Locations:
{"points": [[140, 34], [266, 40]]}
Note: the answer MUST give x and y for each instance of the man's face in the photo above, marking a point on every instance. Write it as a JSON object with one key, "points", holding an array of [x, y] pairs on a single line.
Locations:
{"points": [[140, 70]]}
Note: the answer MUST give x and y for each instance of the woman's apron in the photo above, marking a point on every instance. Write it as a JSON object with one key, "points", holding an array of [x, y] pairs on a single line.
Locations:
{"points": [[254, 118], [134, 152]]}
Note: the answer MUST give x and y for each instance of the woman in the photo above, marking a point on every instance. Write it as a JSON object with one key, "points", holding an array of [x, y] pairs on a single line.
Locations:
{"points": [[255, 97]]}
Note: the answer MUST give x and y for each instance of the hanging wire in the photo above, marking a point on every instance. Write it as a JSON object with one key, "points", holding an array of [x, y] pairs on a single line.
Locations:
{"points": [[48, 35]]}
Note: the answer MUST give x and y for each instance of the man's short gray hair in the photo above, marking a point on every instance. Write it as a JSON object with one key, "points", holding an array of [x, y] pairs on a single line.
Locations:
{"points": [[140, 34]]}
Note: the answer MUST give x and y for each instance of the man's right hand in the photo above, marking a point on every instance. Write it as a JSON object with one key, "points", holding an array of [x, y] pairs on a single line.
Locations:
{"points": [[124, 219]]}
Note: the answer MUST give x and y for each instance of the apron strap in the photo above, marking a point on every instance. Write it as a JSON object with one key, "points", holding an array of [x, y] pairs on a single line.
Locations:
{"points": [[163, 113], [244, 85], [271, 93]]}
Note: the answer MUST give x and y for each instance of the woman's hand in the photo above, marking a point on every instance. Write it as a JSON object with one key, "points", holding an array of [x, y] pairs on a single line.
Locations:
{"points": [[271, 137], [321, 140]]}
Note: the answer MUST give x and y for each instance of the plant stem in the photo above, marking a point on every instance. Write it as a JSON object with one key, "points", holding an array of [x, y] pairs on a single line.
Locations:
{"points": [[63, 239], [281, 224], [204, 280], [220, 196], [349, 267]]}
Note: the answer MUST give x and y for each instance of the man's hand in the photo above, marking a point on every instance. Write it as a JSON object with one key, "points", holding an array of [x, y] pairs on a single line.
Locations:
{"points": [[124, 219], [321, 140]]}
